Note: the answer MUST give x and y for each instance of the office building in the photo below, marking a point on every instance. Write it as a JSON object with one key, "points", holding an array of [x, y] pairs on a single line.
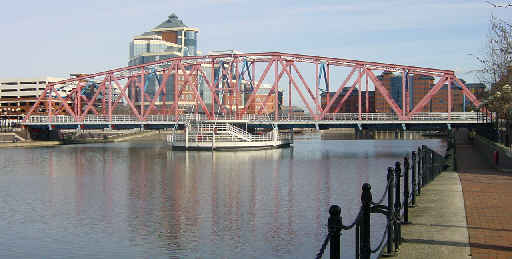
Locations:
{"points": [[172, 38]]}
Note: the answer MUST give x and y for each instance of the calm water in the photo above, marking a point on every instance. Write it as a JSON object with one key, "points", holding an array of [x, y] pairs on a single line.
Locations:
{"points": [[141, 200]]}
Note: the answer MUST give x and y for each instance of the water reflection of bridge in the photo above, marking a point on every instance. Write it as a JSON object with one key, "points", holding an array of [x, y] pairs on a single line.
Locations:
{"points": [[273, 199]]}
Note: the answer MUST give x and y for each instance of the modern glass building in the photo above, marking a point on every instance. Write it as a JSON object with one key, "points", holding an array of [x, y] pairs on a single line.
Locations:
{"points": [[172, 38]]}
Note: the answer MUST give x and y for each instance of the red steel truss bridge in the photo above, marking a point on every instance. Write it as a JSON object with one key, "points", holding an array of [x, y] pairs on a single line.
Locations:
{"points": [[228, 88]]}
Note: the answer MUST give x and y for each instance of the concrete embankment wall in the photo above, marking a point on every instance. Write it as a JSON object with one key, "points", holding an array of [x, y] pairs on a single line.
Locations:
{"points": [[119, 138], [488, 149], [145, 134], [30, 144]]}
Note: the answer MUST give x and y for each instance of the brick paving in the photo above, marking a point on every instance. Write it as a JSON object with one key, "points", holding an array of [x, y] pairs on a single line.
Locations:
{"points": [[488, 203]]}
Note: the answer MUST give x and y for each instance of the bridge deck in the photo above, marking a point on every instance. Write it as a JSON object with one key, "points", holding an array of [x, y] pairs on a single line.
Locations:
{"points": [[340, 120]]}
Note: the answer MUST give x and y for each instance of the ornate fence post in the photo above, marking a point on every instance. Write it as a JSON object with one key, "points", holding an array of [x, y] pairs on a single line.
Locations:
{"points": [[432, 164], [398, 171], [358, 248], [420, 171], [406, 190], [425, 164], [334, 225], [366, 200], [391, 180], [413, 180]]}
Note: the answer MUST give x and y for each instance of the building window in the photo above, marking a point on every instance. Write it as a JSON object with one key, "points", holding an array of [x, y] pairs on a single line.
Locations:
{"points": [[190, 35]]}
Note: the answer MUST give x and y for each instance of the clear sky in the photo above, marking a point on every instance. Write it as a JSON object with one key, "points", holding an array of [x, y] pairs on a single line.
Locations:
{"points": [[56, 38]]}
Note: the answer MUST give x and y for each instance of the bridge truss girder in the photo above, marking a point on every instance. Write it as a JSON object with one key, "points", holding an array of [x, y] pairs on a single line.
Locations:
{"points": [[235, 67]]}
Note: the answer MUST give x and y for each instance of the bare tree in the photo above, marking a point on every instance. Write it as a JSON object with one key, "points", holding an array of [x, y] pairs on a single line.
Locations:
{"points": [[496, 72], [498, 54], [504, 5]]}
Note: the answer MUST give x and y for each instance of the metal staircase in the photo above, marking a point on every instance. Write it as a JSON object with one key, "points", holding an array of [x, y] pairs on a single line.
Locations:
{"points": [[224, 130]]}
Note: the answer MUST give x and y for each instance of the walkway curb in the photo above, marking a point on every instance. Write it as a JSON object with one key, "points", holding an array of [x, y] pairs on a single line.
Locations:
{"points": [[438, 226]]}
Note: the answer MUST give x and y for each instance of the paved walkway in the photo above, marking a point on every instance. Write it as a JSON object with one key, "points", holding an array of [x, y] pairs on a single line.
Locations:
{"points": [[438, 223], [488, 203]]}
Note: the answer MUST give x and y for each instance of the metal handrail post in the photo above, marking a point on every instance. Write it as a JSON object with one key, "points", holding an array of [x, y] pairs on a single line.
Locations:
{"points": [[334, 225], [397, 204], [420, 170], [413, 179], [391, 180], [366, 200], [406, 190]]}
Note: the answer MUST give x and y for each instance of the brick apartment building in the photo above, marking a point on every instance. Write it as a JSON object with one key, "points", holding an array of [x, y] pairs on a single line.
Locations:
{"points": [[419, 86], [351, 105]]}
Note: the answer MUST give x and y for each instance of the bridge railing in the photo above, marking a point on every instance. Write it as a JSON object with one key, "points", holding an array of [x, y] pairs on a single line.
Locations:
{"points": [[427, 116]]}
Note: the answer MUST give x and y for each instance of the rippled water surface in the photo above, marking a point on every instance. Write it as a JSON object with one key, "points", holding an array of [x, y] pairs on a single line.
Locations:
{"points": [[142, 200]]}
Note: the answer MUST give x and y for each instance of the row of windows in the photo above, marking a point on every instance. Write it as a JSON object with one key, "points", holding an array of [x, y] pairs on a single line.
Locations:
{"points": [[16, 104], [24, 83], [187, 97], [149, 47], [22, 89], [190, 35]]}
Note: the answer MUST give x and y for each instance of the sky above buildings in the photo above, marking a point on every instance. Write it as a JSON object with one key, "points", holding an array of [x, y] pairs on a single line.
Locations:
{"points": [[57, 38]]}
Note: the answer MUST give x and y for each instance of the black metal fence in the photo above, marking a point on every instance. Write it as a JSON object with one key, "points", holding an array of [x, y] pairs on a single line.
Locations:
{"points": [[424, 166]]}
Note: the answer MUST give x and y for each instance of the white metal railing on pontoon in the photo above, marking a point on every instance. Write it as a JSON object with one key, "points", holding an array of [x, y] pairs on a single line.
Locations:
{"points": [[223, 132]]}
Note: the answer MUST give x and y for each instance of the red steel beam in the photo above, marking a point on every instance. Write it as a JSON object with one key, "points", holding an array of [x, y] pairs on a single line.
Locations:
{"points": [[367, 96], [403, 93], [297, 89], [268, 57], [360, 92], [449, 98], [338, 92], [185, 83], [274, 90], [214, 94], [306, 85], [194, 87], [251, 98], [93, 99], [122, 89], [158, 91], [427, 97], [468, 93], [378, 86], [349, 92], [126, 98]]}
